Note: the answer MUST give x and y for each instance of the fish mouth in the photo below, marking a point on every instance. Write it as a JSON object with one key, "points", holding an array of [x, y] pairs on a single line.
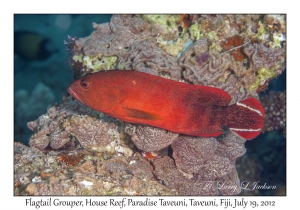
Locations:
{"points": [[73, 94]]}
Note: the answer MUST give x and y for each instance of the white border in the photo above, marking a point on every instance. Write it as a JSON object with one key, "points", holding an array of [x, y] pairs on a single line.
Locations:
{"points": [[8, 8]]}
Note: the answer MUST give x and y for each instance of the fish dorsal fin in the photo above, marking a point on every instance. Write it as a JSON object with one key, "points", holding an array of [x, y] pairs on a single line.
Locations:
{"points": [[140, 114], [207, 96], [215, 96]]}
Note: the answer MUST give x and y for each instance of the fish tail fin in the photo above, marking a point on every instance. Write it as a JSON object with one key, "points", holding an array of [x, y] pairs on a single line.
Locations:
{"points": [[246, 118]]}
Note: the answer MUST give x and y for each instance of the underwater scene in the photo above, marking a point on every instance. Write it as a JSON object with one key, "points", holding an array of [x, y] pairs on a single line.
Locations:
{"points": [[156, 105]]}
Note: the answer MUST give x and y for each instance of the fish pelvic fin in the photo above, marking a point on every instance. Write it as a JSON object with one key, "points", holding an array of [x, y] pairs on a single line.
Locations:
{"points": [[140, 114], [246, 118]]}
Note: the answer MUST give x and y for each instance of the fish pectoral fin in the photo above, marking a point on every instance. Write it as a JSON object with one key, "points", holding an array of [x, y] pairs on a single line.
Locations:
{"points": [[136, 113]]}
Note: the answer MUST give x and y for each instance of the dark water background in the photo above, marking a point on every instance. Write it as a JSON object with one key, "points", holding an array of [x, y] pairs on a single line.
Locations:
{"points": [[266, 154], [39, 84]]}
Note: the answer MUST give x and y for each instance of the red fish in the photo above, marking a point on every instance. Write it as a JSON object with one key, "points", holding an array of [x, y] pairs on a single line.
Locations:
{"points": [[142, 98]]}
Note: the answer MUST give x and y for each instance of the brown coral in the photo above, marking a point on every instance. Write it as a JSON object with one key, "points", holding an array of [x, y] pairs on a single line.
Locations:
{"points": [[116, 37], [149, 138], [89, 131], [40, 140], [236, 76], [110, 39], [276, 22], [71, 159], [148, 57], [172, 177], [202, 162], [202, 68], [33, 175], [135, 164], [67, 120], [234, 44], [166, 170], [190, 153], [264, 57]]}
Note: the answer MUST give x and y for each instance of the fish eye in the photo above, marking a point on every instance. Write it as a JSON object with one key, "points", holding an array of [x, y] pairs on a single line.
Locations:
{"points": [[85, 84]]}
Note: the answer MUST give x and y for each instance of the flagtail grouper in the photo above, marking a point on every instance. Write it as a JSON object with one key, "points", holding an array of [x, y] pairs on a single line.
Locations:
{"points": [[193, 110]]}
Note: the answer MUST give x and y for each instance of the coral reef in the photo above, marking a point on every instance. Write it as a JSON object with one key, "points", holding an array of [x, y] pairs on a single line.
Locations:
{"points": [[275, 108], [240, 54], [148, 57], [149, 138], [238, 78], [236, 53], [36, 173], [74, 135], [62, 123], [202, 162], [110, 39]]}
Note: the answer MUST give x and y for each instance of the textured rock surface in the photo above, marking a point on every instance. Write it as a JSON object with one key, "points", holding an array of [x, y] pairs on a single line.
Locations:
{"points": [[191, 153], [36, 173], [149, 138], [62, 123], [203, 162]]}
